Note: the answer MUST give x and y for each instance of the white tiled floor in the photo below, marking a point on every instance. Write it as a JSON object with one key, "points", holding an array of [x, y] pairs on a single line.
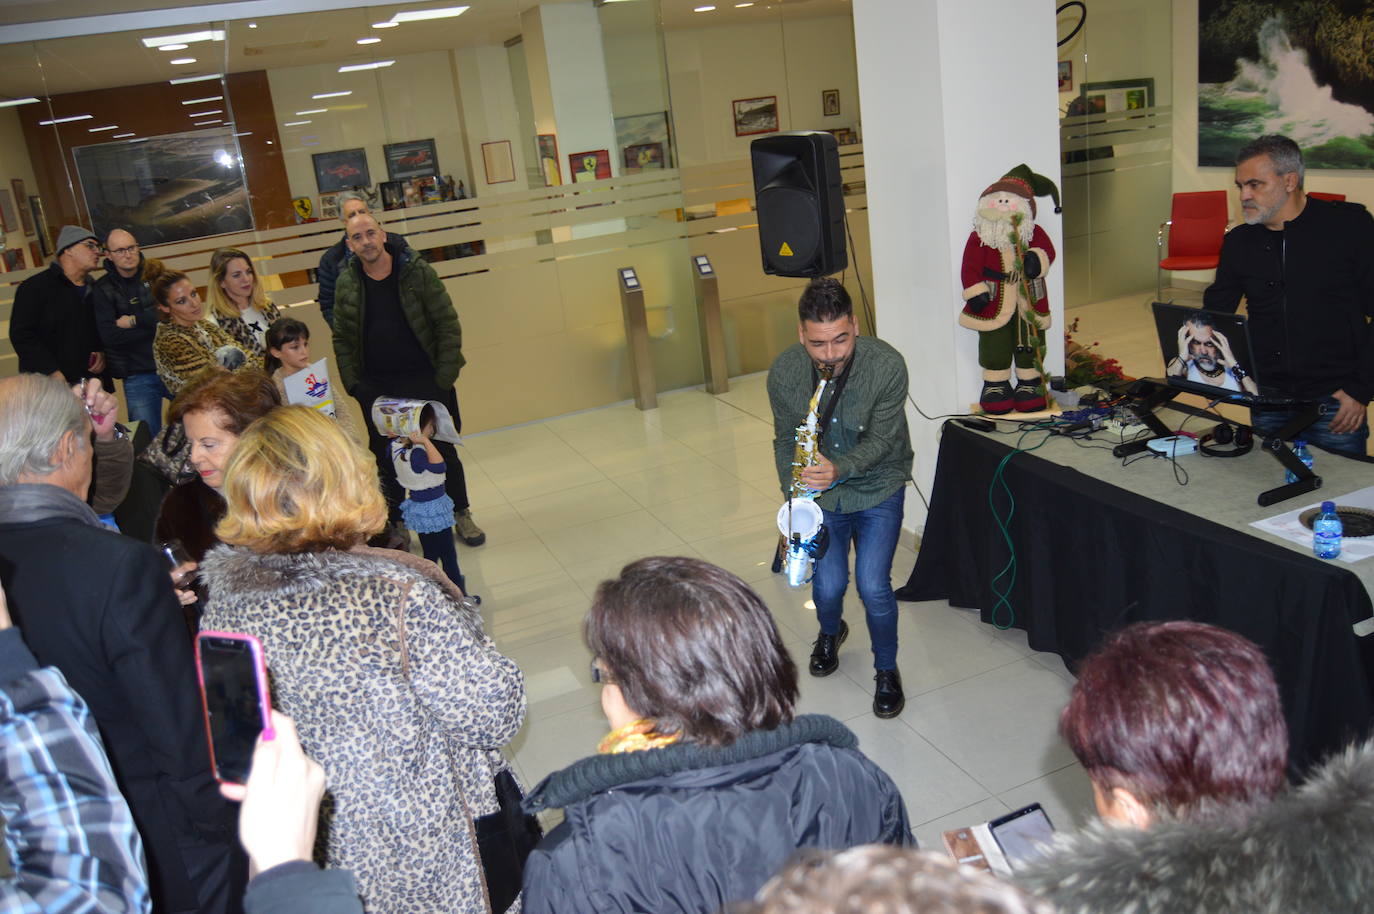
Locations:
{"points": [[567, 502]]}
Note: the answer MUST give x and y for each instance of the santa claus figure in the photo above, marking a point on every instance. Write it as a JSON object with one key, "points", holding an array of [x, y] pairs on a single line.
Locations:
{"points": [[1005, 261]]}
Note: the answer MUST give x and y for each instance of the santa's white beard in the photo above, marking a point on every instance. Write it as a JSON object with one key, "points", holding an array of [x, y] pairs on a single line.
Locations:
{"points": [[993, 227]]}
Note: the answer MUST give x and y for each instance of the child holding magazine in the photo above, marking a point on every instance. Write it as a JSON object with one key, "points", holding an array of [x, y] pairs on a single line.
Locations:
{"points": [[288, 354], [427, 510]]}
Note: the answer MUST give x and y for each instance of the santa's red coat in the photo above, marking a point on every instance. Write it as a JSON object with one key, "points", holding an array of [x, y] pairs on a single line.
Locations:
{"points": [[979, 258]]}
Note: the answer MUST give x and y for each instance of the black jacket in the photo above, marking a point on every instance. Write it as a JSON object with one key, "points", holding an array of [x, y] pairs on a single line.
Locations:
{"points": [[1308, 851], [1310, 290], [52, 325], [126, 351], [331, 263], [689, 828]]}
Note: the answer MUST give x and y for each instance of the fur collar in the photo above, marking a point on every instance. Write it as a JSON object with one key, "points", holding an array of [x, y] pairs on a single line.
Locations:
{"points": [[1306, 851], [240, 571]]}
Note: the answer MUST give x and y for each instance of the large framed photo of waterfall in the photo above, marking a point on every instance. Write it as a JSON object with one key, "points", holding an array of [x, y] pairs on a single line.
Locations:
{"points": [[1286, 67]]}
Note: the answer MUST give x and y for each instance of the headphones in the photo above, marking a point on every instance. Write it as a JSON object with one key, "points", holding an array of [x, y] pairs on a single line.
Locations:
{"points": [[1240, 438]]}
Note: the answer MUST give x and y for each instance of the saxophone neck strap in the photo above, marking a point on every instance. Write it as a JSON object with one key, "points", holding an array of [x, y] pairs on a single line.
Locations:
{"points": [[836, 389]]}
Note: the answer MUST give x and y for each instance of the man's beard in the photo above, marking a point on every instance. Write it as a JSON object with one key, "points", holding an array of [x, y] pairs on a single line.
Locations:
{"points": [[1257, 216], [993, 228], [1205, 362]]}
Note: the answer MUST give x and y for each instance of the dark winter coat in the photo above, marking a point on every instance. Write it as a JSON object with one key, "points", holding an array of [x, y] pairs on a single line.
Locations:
{"points": [[1307, 852], [127, 351], [52, 325], [692, 828], [428, 310]]}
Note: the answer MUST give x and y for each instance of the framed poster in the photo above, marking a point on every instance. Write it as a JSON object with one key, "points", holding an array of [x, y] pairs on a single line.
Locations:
{"points": [[547, 146], [9, 218], [642, 156], [415, 159], [643, 129], [830, 102], [172, 187], [1066, 76], [1117, 95], [20, 198], [40, 224], [393, 195], [498, 162], [329, 206], [341, 170], [590, 166], [14, 259], [756, 115]]}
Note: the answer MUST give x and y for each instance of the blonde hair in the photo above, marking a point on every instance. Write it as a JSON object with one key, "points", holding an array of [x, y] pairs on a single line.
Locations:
{"points": [[219, 268], [297, 483]]}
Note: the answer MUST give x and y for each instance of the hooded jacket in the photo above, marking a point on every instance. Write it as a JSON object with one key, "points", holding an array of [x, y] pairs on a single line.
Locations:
{"points": [[692, 828], [1307, 851], [127, 351]]}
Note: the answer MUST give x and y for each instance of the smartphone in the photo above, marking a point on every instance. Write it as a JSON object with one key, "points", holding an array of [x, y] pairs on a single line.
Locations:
{"points": [[234, 696], [1022, 834]]}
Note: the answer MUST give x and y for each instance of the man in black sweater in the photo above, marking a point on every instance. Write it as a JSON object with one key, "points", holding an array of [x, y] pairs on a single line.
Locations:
{"points": [[1306, 269], [52, 326]]}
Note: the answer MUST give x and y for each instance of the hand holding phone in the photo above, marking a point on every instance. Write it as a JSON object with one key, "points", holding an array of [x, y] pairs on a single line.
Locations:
{"points": [[234, 696]]}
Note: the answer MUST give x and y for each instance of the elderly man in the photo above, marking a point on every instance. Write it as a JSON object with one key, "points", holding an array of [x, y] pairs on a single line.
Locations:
{"points": [[1305, 270], [397, 335], [52, 326], [126, 318], [351, 203], [100, 608]]}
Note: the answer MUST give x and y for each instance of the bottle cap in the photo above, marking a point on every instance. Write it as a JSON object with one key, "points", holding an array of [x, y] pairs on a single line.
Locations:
{"points": [[1328, 507]]}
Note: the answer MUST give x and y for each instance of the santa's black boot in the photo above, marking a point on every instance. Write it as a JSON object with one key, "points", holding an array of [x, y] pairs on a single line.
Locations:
{"points": [[996, 398], [1030, 395]]}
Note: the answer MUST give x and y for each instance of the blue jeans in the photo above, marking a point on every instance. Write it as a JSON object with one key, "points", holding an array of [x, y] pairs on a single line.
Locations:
{"points": [[1271, 421], [875, 533], [143, 396]]}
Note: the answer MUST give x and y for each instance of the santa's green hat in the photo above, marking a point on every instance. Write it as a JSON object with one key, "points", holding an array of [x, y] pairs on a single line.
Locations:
{"points": [[1025, 183]]}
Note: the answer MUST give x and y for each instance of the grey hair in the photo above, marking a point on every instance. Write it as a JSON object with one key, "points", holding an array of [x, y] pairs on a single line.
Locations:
{"points": [[1282, 152], [35, 412], [347, 195]]}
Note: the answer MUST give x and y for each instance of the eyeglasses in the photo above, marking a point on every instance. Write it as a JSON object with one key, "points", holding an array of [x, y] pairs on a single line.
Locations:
{"points": [[93, 245], [600, 676], [131, 249]]}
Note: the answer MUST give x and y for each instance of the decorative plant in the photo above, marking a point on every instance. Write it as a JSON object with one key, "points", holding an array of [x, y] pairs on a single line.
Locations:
{"points": [[1085, 366]]}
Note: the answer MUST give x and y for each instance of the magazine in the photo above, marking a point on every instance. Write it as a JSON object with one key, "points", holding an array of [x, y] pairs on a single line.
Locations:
{"points": [[397, 417]]}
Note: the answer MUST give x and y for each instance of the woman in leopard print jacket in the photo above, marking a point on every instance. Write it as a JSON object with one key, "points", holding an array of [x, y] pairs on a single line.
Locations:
{"points": [[395, 688]]}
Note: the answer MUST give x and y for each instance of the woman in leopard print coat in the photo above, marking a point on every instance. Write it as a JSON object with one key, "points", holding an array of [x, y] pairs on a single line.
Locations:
{"points": [[383, 663]]}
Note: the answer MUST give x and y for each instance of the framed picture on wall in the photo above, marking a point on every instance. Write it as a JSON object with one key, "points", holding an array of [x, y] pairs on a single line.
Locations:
{"points": [[1066, 76], [415, 159], [393, 195], [642, 130], [547, 146], [329, 206], [498, 162], [336, 171], [14, 259], [642, 156], [830, 102], [755, 115], [35, 254], [592, 165], [19, 198], [9, 217], [40, 225], [1117, 95]]}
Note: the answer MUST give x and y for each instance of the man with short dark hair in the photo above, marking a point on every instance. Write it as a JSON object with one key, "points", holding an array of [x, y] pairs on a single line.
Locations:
{"points": [[52, 325], [1306, 271], [862, 464], [351, 203], [127, 318], [396, 334]]}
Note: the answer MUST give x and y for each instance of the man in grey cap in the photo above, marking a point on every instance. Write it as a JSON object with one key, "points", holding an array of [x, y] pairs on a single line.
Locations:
{"points": [[52, 326]]}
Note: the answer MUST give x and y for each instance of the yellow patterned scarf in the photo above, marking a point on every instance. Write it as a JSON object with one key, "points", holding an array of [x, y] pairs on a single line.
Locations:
{"points": [[635, 737]]}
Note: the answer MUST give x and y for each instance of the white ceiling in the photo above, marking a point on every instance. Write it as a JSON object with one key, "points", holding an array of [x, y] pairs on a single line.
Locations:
{"points": [[118, 58]]}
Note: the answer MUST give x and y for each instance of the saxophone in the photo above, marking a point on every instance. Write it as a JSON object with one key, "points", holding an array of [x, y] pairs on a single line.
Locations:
{"points": [[798, 552]]}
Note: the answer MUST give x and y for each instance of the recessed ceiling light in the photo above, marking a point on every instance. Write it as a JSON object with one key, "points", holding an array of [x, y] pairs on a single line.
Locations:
{"points": [[443, 12], [244, 133], [252, 25], [295, 123], [269, 142], [311, 111], [188, 38], [368, 40], [703, 9], [356, 67], [194, 79], [67, 120], [183, 60], [204, 123], [119, 136], [204, 101], [740, 6], [206, 113], [99, 129], [18, 101], [326, 94], [173, 47], [385, 25]]}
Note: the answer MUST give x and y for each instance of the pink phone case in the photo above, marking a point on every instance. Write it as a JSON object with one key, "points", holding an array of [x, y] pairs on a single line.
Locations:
{"points": [[260, 671]]}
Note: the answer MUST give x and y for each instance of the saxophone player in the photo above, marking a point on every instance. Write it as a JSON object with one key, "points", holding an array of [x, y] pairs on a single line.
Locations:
{"points": [[861, 467]]}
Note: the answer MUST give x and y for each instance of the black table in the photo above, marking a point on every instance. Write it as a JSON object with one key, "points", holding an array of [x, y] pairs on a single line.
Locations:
{"points": [[1093, 557]]}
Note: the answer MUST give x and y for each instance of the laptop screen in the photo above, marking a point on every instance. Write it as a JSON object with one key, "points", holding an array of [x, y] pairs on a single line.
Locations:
{"points": [[1206, 352]]}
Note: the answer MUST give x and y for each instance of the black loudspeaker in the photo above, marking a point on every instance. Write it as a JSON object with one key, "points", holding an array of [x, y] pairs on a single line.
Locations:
{"points": [[800, 203]]}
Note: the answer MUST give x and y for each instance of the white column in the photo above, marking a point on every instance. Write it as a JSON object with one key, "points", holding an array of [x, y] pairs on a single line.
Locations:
{"points": [[955, 93]]}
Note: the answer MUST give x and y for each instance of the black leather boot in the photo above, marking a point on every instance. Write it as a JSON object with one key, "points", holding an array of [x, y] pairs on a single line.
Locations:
{"points": [[825, 655], [888, 698]]}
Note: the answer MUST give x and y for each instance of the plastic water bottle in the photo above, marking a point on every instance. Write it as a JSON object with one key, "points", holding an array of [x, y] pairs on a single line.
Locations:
{"points": [[1301, 452], [1326, 532]]}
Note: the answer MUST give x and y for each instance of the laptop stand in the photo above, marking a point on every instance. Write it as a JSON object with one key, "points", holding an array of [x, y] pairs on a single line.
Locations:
{"points": [[1145, 406]]}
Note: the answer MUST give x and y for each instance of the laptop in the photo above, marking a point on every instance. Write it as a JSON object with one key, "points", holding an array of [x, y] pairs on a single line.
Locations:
{"points": [[1209, 353]]}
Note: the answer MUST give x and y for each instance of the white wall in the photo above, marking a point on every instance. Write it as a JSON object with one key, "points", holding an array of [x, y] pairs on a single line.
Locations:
{"points": [[795, 60]]}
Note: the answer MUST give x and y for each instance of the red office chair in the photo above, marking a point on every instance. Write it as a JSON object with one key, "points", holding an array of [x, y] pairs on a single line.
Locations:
{"points": [[1197, 225], [1339, 198]]}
